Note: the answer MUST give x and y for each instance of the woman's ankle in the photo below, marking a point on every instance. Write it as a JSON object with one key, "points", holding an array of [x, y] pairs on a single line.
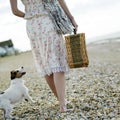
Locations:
{"points": [[63, 109]]}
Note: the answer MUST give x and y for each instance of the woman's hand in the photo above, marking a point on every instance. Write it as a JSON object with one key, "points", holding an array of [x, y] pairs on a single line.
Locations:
{"points": [[74, 24]]}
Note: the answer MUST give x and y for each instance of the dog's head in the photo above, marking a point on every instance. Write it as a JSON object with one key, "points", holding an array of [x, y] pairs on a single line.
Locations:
{"points": [[17, 73]]}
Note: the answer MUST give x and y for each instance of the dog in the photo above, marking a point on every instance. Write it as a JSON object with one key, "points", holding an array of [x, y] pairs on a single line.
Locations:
{"points": [[15, 93]]}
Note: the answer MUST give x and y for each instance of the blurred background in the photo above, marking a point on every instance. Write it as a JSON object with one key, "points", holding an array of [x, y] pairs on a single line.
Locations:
{"points": [[98, 19]]}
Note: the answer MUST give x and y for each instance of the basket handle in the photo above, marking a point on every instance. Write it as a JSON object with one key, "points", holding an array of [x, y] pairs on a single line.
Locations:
{"points": [[75, 32]]}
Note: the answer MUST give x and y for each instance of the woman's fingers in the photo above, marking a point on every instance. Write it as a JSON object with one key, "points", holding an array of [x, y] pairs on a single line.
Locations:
{"points": [[75, 24]]}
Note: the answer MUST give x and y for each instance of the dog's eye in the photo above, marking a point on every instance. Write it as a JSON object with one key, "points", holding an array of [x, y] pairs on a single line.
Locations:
{"points": [[17, 71]]}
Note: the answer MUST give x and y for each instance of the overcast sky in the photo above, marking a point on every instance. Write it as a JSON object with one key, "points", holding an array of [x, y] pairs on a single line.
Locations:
{"points": [[94, 17]]}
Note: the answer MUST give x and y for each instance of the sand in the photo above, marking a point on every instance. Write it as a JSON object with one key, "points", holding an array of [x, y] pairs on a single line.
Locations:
{"points": [[93, 93]]}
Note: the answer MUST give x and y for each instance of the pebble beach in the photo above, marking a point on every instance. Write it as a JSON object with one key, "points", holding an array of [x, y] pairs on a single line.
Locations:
{"points": [[92, 93]]}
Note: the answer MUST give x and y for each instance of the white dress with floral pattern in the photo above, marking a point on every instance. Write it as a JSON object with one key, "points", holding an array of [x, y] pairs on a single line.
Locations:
{"points": [[47, 45]]}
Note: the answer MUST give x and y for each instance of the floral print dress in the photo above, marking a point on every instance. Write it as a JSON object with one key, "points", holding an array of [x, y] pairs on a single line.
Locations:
{"points": [[47, 45]]}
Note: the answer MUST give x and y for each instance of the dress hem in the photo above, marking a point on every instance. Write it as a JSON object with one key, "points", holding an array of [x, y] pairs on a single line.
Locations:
{"points": [[55, 70]]}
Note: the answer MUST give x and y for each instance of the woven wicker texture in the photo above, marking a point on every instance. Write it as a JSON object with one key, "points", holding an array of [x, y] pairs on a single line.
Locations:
{"points": [[76, 50]]}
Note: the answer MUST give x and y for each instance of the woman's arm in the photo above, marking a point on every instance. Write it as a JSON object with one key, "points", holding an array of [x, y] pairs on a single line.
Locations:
{"points": [[15, 9], [66, 10]]}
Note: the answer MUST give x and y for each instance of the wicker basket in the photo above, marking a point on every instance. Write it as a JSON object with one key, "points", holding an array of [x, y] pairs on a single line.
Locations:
{"points": [[76, 50]]}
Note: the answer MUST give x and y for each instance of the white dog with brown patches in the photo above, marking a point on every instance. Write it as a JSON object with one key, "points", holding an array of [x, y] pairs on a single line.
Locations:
{"points": [[15, 93]]}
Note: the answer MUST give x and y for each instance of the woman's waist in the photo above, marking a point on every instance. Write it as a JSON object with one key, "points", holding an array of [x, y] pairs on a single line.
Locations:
{"points": [[28, 17]]}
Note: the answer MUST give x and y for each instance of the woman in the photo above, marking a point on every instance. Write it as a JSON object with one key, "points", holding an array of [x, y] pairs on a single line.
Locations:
{"points": [[47, 45]]}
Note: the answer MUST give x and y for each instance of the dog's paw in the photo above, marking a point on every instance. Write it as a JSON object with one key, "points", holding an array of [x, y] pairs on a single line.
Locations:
{"points": [[33, 101]]}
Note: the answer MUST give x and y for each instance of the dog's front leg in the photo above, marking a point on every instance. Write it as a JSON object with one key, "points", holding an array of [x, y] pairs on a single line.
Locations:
{"points": [[29, 98]]}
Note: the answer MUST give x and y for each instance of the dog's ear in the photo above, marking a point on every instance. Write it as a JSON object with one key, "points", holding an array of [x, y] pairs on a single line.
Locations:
{"points": [[13, 75]]}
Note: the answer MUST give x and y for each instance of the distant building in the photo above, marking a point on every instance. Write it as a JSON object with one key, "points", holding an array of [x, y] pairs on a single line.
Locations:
{"points": [[7, 48]]}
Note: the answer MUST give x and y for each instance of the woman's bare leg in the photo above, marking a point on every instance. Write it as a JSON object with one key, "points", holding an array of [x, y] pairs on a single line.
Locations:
{"points": [[50, 81], [59, 80]]}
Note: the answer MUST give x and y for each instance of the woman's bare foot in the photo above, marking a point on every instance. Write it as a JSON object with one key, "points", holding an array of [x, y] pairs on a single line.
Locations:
{"points": [[63, 109]]}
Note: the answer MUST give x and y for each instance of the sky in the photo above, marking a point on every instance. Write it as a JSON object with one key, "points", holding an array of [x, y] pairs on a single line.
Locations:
{"points": [[94, 17]]}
